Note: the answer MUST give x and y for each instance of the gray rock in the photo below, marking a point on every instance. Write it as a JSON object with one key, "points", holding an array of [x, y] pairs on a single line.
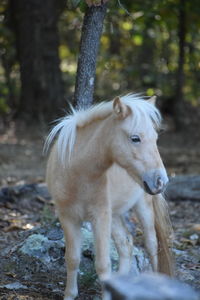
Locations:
{"points": [[184, 187], [148, 287], [140, 260], [42, 248], [14, 286], [39, 259]]}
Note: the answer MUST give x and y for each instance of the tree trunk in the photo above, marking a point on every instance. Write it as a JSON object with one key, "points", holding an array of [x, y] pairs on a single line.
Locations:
{"points": [[179, 97], [91, 33], [35, 26]]}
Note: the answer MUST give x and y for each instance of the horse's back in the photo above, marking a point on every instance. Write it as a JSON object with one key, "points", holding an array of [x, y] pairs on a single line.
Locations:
{"points": [[123, 190]]}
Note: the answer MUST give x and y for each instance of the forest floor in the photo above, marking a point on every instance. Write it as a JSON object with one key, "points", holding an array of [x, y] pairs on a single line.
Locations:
{"points": [[22, 161]]}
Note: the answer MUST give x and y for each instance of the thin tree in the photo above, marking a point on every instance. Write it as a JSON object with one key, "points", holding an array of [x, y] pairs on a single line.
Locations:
{"points": [[89, 45], [179, 97]]}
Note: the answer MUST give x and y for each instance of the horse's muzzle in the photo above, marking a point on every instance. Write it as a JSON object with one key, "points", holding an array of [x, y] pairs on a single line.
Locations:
{"points": [[151, 192], [156, 185]]}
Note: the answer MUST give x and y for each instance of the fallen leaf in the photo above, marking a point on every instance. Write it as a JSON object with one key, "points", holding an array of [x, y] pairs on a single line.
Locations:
{"points": [[9, 274], [188, 241], [196, 227], [13, 227], [191, 266]]}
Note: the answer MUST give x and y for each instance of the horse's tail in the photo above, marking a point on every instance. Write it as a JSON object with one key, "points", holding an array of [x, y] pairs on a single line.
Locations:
{"points": [[164, 235]]}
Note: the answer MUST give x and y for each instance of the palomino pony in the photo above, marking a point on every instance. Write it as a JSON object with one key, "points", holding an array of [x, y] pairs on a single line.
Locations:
{"points": [[104, 162]]}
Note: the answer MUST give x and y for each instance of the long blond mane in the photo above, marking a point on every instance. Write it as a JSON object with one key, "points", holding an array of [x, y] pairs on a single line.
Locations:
{"points": [[144, 114]]}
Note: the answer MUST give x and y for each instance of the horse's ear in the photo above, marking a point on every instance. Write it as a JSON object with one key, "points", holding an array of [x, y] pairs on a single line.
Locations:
{"points": [[152, 100], [120, 109]]}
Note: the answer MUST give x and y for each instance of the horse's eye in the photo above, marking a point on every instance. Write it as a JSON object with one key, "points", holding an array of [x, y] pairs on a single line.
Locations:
{"points": [[135, 139]]}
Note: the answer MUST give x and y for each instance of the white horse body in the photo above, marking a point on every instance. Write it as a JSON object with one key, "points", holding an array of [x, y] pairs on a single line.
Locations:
{"points": [[104, 175]]}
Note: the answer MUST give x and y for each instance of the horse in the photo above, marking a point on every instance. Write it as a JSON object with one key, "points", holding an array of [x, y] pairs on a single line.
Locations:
{"points": [[104, 162]]}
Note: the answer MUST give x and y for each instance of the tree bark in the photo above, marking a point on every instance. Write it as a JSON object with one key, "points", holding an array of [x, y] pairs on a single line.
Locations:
{"points": [[35, 26], [90, 38], [179, 97]]}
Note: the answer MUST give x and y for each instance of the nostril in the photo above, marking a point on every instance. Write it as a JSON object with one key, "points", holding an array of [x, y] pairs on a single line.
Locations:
{"points": [[159, 182]]}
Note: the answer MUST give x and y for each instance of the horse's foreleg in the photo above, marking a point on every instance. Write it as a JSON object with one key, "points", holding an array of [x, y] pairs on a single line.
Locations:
{"points": [[144, 210], [102, 235], [124, 244], [72, 256]]}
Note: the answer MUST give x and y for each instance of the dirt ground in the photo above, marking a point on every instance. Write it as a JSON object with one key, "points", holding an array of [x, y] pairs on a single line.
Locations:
{"points": [[22, 161]]}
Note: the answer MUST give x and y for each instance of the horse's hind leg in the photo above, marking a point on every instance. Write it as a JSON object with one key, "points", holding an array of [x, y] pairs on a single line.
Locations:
{"points": [[72, 255], [124, 244], [145, 213]]}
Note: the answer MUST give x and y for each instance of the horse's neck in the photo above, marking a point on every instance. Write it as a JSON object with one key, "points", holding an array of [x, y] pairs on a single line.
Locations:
{"points": [[92, 148]]}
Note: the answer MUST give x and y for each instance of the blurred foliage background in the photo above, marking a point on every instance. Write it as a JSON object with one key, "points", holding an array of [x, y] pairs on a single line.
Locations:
{"points": [[149, 46]]}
